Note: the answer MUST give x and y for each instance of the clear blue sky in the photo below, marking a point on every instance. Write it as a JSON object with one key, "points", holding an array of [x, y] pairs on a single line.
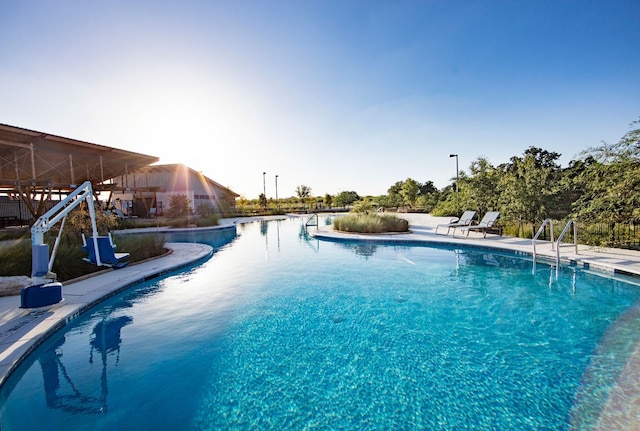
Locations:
{"points": [[338, 95]]}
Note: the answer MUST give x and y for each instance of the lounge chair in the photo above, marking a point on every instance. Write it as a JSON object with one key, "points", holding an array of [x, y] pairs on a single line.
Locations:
{"points": [[464, 220], [487, 222]]}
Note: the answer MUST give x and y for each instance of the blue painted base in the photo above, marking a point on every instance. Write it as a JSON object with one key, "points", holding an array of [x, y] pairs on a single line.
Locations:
{"points": [[40, 296]]}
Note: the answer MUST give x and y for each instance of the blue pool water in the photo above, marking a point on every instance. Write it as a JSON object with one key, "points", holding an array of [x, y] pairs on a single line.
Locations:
{"points": [[280, 331]]}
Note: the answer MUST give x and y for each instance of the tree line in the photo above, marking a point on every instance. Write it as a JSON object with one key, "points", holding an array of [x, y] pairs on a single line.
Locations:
{"points": [[602, 185]]}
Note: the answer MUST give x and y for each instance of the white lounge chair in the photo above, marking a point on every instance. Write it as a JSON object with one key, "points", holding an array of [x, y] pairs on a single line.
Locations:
{"points": [[487, 222], [465, 220]]}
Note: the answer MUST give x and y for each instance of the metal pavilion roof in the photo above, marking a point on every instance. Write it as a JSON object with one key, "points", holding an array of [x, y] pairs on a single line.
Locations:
{"points": [[35, 159], [34, 165]]}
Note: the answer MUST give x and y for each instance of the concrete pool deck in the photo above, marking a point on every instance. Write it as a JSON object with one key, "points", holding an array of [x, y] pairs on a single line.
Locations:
{"points": [[423, 228], [21, 330]]}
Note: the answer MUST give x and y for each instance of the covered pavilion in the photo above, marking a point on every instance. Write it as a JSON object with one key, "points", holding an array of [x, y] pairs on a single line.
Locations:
{"points": [[36, 166]]}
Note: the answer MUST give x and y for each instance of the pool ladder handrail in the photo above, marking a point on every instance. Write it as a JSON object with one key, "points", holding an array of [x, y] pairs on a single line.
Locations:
{"points": [[546, 222], [555, 245], [308, 222], [575, 239]]}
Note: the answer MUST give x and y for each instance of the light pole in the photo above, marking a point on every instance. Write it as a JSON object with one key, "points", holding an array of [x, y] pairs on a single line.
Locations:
{"points": [[264, 189], [277, 202], [457, 180]]}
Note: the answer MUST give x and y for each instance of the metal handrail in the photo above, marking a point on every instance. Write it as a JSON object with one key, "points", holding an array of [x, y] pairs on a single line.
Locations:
{"points": [[535, 237], [575, 239], [308, 223]]}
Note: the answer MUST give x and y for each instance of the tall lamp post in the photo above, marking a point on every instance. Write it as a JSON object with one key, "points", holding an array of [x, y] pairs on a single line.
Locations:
{"points": [[457, 180], [277, 201], [264, 189]]}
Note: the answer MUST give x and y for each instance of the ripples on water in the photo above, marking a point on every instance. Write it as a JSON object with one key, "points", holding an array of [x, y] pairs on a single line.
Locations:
{"points": [[281, 331]]}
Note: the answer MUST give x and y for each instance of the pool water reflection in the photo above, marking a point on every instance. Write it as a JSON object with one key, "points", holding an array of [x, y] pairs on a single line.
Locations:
{"points": [[282, 331]]}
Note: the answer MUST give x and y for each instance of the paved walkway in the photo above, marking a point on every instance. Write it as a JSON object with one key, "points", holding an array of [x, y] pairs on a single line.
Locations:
{"points": [[21, 330]]}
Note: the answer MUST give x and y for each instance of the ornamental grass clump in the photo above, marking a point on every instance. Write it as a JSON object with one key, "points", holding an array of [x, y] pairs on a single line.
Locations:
{"points": [[370, 223], [69, 263]]}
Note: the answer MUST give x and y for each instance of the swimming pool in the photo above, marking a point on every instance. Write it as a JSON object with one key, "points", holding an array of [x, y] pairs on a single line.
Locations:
{"points": [[281, 331]]}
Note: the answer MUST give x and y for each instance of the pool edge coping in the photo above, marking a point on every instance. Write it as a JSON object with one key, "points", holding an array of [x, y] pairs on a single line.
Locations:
{"points": [[584, 259]]}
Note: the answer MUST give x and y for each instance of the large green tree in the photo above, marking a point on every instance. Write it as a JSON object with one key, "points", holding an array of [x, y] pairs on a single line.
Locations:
{"points": [[481, 187], [573, 186], [409, 192], [394, 194], [528, 186], [344, 199], [611, 181], [428, 196], [303, 191]]}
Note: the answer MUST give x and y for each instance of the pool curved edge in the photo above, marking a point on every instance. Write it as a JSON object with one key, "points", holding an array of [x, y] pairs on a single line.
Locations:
{"points": [[23, 330], [612, 261], [406, 239]]}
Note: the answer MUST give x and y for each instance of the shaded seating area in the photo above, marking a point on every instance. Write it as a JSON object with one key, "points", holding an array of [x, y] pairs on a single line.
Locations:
{"points": [[486, 224], [106, 251], [465, 220], [39, 164]]}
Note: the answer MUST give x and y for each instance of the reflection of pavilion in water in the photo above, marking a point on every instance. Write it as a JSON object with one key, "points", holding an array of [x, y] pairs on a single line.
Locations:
{"points": [[60, 390]]}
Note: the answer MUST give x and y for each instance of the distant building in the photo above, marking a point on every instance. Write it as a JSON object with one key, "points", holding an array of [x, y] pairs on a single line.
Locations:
{"points": [[146, 192]]}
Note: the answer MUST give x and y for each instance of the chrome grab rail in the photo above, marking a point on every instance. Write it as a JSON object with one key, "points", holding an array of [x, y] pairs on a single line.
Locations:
{"points": [[308, 223], [558, 243], [535, 237], [575, 239]]}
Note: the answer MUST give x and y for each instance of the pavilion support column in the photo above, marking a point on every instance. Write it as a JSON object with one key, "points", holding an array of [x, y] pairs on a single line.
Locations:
{"points": [[49, 189], [33, 163], [15, 158], [35, 189], [42, 208], [26, 198], [73, 178]]}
